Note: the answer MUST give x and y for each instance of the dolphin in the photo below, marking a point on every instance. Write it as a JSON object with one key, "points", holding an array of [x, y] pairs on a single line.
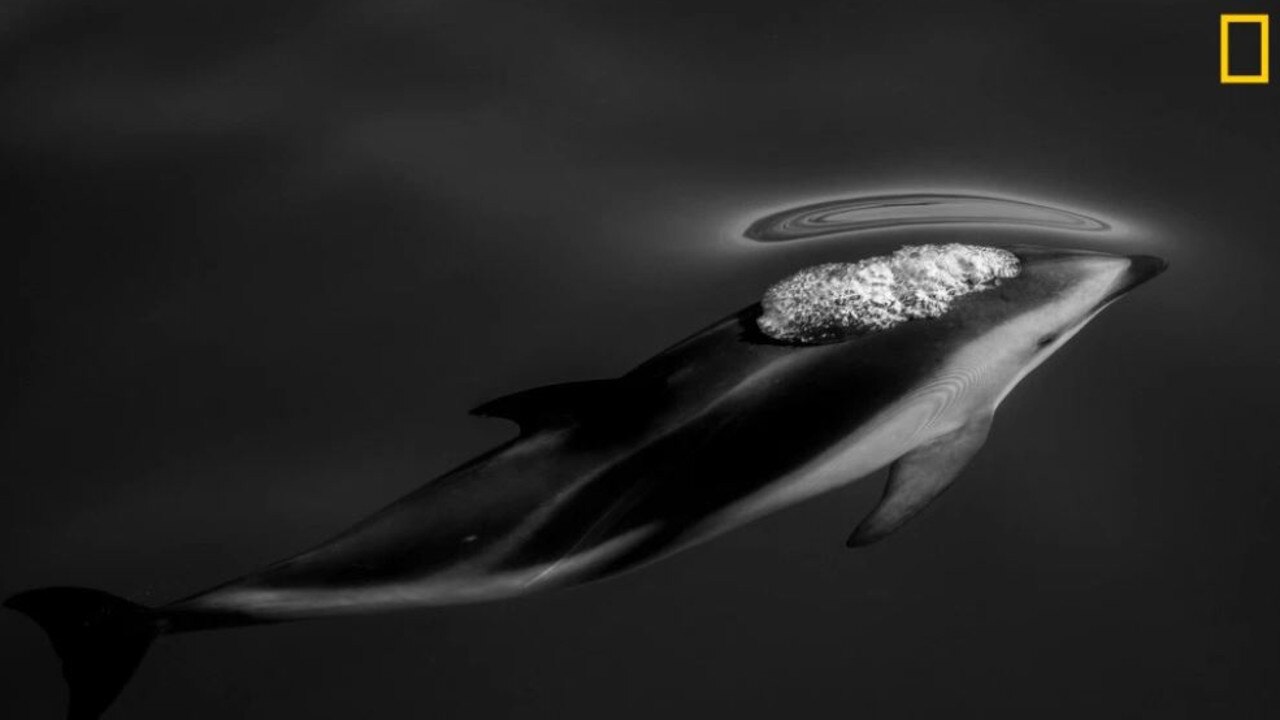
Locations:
{"points": [[606, 475]]}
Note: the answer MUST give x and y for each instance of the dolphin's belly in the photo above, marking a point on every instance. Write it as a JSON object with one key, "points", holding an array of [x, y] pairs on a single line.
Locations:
{"points": [[964, 386], [445, 543], [863, 452], [461, 584]]}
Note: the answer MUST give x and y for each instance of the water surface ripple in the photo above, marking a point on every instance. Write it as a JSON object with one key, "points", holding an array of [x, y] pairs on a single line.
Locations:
{"points": [[878, 212]]}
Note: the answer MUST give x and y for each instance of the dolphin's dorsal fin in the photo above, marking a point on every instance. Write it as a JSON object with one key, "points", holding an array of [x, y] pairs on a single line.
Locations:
{"points": [[920, 476], [553, 405]]}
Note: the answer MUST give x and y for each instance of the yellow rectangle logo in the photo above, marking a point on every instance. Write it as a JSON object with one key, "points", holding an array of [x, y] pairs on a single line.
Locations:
{"points": [[1224, 61]]}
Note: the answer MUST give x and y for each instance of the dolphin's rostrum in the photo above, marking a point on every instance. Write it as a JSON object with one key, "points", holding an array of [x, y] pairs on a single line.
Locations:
{"points": [[720, 429]]}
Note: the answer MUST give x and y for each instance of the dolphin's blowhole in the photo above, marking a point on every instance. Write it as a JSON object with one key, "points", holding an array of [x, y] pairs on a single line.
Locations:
{"points": [[836, 300]]}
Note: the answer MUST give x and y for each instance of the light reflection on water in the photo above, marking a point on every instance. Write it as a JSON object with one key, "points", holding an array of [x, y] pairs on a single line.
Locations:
{"points": [[882, 212]]}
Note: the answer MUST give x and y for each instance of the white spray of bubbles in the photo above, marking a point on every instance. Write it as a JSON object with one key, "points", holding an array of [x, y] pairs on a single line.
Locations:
{"points": [[831, 301]]}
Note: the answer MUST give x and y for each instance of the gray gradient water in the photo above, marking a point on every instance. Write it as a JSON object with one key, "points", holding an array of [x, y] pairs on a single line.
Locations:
{"points": [[265, 259]]}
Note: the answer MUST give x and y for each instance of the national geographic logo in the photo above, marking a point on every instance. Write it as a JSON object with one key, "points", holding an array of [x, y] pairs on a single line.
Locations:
{"points": [[1244, 47]]}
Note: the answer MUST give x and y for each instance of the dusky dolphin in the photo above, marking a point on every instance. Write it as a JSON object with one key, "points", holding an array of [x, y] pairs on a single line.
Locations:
{"points": [[720, 429]]}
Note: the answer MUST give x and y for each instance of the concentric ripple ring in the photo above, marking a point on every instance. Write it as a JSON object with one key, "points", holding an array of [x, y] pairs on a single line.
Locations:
{"points": [[878, 212]]}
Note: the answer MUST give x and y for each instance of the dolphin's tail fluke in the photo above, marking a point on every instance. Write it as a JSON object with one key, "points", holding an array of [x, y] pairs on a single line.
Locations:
{"points": [[99, 637]]}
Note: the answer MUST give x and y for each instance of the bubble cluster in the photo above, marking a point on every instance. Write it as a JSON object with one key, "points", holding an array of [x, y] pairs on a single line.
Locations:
{"points": [[831, 301]]}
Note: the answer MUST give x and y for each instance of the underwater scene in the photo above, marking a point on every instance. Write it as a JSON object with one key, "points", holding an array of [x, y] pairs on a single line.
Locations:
{"points": [[480, 359]]}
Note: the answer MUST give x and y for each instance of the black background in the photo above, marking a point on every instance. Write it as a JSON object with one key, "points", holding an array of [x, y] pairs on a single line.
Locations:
{"points": [[266, 255]]}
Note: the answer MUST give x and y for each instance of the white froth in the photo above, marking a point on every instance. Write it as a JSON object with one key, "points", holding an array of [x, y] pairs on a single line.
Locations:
{"points": [[831, 301]]}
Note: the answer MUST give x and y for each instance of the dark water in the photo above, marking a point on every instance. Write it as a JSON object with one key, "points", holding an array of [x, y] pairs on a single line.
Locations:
{"points": [[265, 258]]}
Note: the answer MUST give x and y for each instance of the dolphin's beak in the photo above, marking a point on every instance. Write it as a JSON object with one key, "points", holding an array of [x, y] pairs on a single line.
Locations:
{"points": [[1141, 269]]}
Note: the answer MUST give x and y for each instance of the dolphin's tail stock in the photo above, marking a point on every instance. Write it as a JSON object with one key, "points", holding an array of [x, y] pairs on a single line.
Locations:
{"points": [[99, 637]]}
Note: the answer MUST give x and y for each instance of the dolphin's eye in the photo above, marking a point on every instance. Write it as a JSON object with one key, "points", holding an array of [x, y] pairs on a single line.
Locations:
{"points": [[1047, 340]]}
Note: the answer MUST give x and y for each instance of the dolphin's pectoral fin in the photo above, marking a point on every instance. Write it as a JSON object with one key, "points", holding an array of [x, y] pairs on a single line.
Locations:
{"points": [[920, 476], [553, 405]]}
